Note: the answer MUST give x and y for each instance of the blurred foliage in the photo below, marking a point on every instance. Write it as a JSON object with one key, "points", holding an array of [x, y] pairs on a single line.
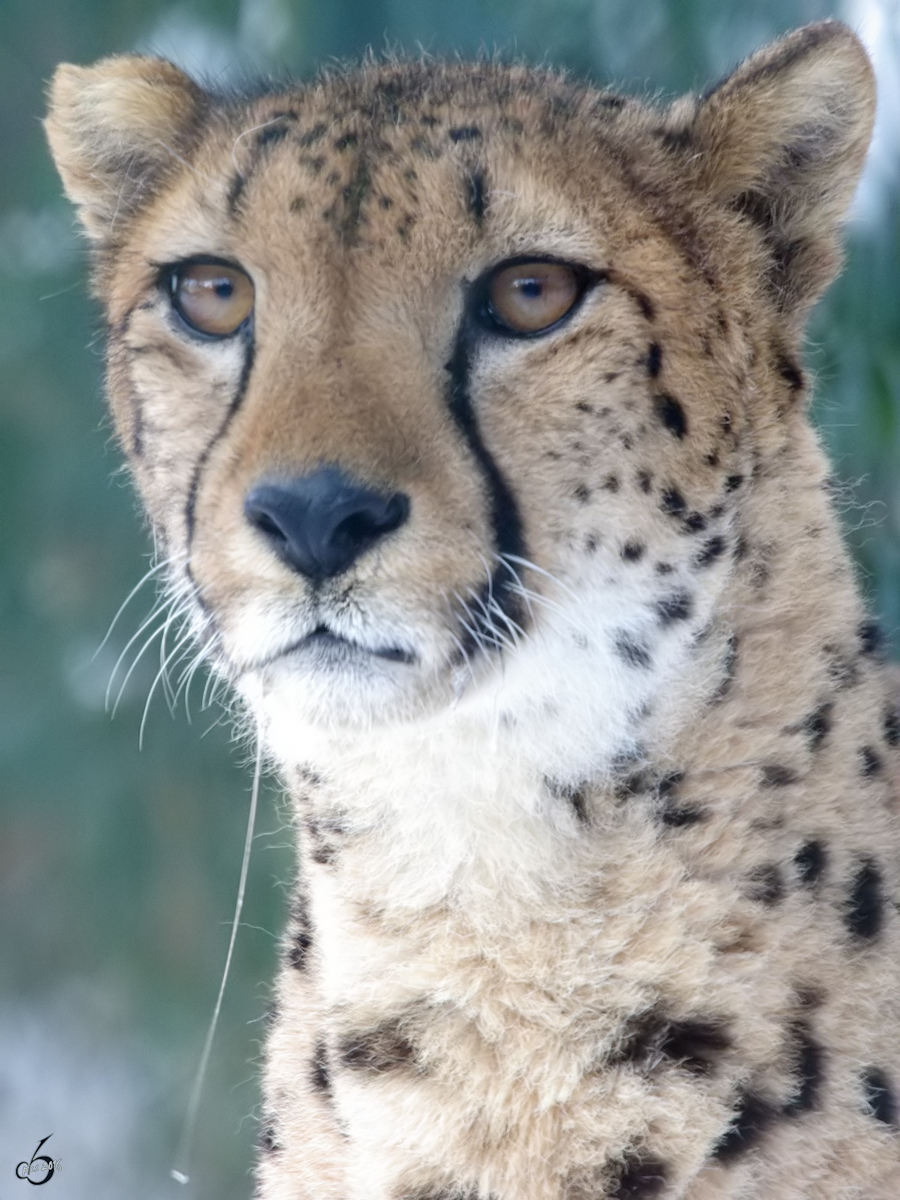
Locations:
{"points": [[119, 867]]}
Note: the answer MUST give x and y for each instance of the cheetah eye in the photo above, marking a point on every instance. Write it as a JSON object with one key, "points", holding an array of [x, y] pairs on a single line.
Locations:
{"points": [[531, 297], [212, 298]]}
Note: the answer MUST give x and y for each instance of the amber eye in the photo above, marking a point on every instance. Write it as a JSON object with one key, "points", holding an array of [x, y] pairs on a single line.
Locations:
{"points": [[529, 297], [213, 298]]}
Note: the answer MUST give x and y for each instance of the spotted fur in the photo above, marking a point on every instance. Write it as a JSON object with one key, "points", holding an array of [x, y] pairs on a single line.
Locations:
{"points": [[591, 751]]}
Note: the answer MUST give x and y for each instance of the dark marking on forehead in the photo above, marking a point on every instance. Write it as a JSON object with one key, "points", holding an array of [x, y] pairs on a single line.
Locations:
{"points": [[312, 163], [311, 136], [476, 195], [354, 196], [465, 133]]}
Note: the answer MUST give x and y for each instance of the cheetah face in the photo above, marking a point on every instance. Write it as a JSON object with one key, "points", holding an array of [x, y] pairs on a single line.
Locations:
{"points": [[428, 380]]}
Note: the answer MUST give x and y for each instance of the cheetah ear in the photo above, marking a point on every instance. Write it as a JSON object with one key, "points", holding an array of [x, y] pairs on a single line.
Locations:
{"points": [[783, 140], [115, 128]]}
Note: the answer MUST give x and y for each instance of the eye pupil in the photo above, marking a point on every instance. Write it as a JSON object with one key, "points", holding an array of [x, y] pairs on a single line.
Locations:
{"points": [[531, 297], [212, 298]]}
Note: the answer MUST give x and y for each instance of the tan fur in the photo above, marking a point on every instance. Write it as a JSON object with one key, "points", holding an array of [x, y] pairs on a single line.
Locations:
{"points": [[607, 909]]}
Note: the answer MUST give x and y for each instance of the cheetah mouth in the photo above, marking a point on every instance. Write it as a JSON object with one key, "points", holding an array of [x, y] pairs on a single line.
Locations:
{"points": [[324, 648]]}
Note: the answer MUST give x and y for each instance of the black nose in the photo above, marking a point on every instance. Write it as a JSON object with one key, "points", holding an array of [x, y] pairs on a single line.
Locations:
{"points": [[320, 524]]}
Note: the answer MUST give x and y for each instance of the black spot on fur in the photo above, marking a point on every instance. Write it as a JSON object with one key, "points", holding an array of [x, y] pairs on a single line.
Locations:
{"points": [[235, 192], [268, 1140], [672, 502], [299, 948], [865, 908], [817, 725], [871, 638], [729, 669], [641, 1178], [320, 1073], [375, 1051], [752, 1117], [790, 373], [631, 651], [808, 1064], [869, 760], [305, 140], [465, 133], [677, 607], [672, 415], [654, 360], [694, 1043], [733, 482], [879, 1096], [694, 522], [633, 551], [346, 141], [476, 195], [610, 483], [775, 775], [766, 884], [842, 668], [645, 304], [573, 795], [892, 726], [712, 549], [678, 818], [645, 482], [582, 493], [810, 861], [675, 139]]}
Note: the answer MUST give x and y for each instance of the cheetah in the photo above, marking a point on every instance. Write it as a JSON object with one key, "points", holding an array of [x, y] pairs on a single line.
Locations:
{"points": [[467, 405]]}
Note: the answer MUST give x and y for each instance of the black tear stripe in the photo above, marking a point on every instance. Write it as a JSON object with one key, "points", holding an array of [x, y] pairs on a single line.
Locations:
{"points": [[506, 521], [236, 402]]}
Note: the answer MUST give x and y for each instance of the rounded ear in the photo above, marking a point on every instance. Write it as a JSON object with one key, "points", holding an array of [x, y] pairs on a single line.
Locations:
{"points": [[783, 140], [115, 128]]}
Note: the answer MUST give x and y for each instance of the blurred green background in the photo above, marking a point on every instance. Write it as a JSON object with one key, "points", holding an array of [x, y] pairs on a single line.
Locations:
{"points": [[119, 866]]}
